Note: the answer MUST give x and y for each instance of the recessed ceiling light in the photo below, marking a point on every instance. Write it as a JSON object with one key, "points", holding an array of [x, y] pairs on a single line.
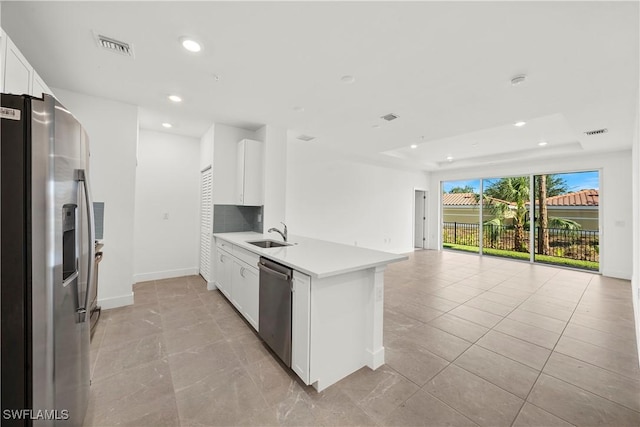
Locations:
{"points": [[347, 79], [518, 80], [167, 125], [450, 158], [191, 45], [217, 77], [519, 124], [175, 98], [414, 146], [542, 143], [298, 109]]}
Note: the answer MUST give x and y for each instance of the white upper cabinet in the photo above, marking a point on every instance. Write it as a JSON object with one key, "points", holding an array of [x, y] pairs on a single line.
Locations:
{"points": [[17, 76], [3, 54], [18, 73], [38, 86], [250, 178]]}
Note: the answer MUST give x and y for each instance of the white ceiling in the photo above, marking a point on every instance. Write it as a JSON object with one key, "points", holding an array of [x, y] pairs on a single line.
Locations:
{"points": [[443, 67]]}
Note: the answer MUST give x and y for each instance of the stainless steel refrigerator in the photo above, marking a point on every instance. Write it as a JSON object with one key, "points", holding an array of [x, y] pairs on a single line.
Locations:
{"points": [[47, 263]]}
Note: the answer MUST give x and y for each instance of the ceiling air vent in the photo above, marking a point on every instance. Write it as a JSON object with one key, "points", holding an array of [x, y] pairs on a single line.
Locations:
{"points": [[114, 45], [306, 138], [389, 117], [597, 132]]}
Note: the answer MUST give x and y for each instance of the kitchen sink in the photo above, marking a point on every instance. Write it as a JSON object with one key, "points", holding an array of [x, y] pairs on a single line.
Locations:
{"points": [[268, 244]]}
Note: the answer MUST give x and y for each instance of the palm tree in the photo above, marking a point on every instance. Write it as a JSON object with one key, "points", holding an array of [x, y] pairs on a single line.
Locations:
{"points": [[548, 186], [515, 190], [543, 219]]}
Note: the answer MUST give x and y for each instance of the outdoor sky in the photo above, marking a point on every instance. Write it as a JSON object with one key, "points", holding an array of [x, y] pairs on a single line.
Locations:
{"points": [[575, 182]]}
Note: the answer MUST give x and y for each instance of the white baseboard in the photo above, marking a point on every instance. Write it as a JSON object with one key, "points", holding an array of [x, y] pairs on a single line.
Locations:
{"points": [[114, 302], [167, 274], [211, 286], [616, 274], [376, 358], [400, 251]]}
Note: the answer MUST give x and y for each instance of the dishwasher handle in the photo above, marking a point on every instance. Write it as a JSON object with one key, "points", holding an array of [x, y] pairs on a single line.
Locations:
{"points": [[264, 268]]}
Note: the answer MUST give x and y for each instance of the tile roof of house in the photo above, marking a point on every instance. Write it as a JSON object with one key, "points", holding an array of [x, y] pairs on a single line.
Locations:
{"points": [[459, 199], [579, 198], [465, 199]]}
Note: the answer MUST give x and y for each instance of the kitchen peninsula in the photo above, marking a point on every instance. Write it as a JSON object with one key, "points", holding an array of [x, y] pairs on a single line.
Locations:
{"points": [[337, 299]]}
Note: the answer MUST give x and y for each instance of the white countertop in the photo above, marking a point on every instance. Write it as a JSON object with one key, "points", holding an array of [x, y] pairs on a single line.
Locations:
{"points": [[317, 258]]}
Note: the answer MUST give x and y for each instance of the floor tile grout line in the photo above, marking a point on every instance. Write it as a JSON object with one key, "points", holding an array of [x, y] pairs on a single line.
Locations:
{"points": [[591, 391], [421, 388], [549, 357]]}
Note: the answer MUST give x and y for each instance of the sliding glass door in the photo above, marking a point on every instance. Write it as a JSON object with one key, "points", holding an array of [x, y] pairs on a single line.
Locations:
{"points": [[506, 216], [552, 218], [567, 226]]}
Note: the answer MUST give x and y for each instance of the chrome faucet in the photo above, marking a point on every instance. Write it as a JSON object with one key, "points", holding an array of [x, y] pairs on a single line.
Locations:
{"points": [[283, 234]]}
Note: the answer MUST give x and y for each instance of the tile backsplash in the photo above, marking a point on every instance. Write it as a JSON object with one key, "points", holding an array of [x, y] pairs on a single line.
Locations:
{"points": [[233, 218]]}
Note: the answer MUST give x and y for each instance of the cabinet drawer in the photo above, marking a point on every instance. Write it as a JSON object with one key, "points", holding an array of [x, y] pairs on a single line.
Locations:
{"points": [[246, 256], [222, 244]]}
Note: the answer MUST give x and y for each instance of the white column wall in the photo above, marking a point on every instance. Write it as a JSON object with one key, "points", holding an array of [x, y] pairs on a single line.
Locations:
{"points": [[275, 176], [635, 281], [113, 134]]}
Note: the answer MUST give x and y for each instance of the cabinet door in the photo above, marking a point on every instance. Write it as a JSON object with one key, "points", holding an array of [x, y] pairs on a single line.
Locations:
{"points": [[240, 173], [38, 86], [17, 71], [300, 325], [223, 273], [3, 57], [238, 285], [253, 175], [251, 286]]}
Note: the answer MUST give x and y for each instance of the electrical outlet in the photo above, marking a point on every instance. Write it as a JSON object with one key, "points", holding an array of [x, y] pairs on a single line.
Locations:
{"points": [[165, 215]]}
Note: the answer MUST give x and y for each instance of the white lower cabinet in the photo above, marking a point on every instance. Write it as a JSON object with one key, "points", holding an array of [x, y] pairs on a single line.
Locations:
{"points": [[246, 291], [239, 282], [238, 279], [223, 272], [300, 325]]}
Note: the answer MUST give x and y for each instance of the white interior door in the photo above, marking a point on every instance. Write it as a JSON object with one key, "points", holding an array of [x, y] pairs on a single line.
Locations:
{"points": [[206, 222]]}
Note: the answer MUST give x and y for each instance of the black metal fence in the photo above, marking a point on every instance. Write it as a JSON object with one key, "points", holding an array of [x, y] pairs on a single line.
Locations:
{"points": [[574, 244]]}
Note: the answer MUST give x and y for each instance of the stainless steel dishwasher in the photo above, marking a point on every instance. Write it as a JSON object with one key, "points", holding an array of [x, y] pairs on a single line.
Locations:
{"points": [[274, 325]]}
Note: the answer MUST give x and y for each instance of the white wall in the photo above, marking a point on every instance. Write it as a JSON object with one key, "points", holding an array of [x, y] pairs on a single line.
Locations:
{"points": [[206, 148], [225, 152], [113, 133], [615, 200], [635, 280], [332, 198], [275, 177], [167, 184]]}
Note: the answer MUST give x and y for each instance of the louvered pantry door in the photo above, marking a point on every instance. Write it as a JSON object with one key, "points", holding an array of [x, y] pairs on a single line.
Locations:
{"points": [[206, 223]]}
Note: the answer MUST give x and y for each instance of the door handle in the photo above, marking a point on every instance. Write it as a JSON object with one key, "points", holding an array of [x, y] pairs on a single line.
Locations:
{"points": [[82, 310], [242, 271]]}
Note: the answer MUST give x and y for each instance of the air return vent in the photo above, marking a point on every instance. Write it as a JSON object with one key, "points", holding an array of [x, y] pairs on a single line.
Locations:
{"points": [[596, 132], [389, 117], [306, 138], [114, 45]]}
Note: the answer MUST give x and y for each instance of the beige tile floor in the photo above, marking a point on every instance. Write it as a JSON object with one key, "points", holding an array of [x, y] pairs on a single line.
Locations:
{"points": [[469, 341]]}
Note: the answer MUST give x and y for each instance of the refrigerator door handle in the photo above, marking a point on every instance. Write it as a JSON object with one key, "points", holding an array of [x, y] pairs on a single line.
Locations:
{"points": [[82, 310]]}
